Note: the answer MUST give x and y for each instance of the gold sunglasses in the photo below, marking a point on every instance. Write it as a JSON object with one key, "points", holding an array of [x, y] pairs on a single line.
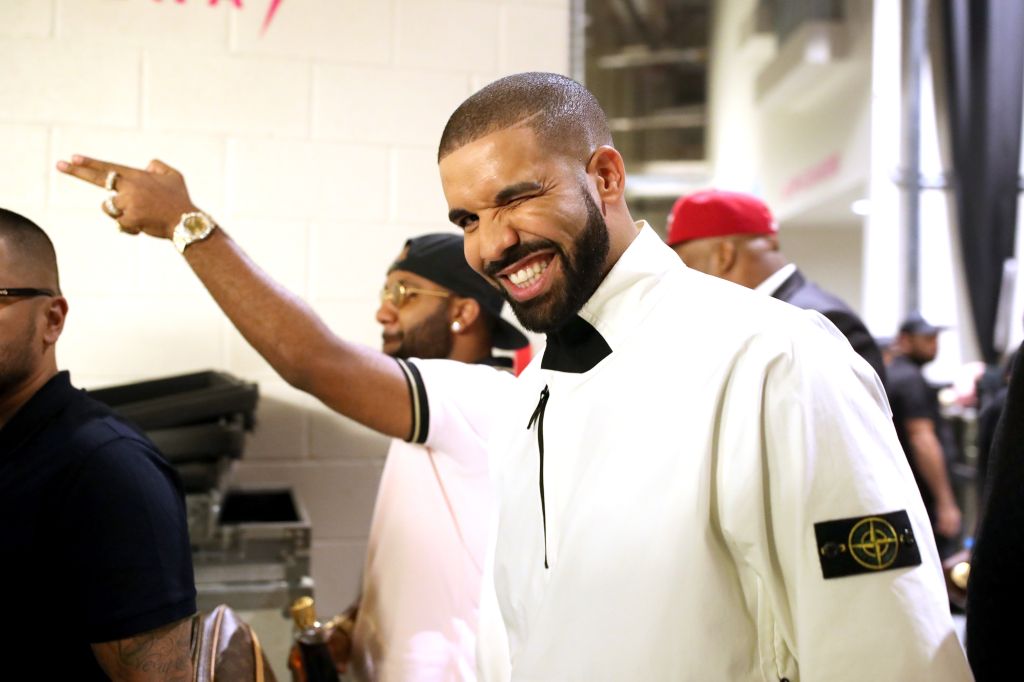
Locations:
{"points": [[398, 294]]}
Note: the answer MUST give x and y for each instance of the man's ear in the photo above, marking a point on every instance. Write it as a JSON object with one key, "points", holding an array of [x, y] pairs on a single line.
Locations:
{"points": [[55, 312], [609, 173], [465, 311], [724, 258]]}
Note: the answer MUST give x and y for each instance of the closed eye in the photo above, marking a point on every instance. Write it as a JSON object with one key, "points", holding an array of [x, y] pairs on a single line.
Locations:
{"points": [[513, 203], [463, 219]]}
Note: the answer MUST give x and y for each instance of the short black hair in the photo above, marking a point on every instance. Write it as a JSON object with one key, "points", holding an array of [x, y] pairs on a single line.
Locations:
{"points": [[27, 240], [564, 115]]}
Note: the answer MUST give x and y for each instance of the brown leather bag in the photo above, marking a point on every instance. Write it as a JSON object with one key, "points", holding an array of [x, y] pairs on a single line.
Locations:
{"points": [[226, 649]]}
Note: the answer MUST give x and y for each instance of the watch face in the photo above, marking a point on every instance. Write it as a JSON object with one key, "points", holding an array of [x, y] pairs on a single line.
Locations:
{"points": [[195, 224]]}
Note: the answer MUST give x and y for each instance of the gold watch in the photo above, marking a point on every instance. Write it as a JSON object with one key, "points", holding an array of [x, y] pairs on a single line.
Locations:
{"points": [[193, 227]]}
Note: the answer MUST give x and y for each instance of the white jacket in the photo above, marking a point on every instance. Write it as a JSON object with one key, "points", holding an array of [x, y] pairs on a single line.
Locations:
{"points": [[686, 475]]}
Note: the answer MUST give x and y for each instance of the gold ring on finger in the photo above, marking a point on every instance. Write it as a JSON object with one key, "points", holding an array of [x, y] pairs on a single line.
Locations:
{"points": [[111, 210]]}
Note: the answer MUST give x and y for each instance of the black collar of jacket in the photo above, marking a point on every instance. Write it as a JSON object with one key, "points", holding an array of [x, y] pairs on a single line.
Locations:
{"points": [[576, 347], [789, 285]]}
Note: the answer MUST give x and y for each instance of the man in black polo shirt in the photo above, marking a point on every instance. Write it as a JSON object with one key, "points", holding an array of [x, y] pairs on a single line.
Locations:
{"points": [[920, 427], [94, 551]]}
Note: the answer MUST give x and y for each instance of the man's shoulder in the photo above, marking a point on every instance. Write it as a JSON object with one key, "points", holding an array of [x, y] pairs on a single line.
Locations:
{"points": [[91, 441], [904, 374], [712, 322], [810, 296], [89, 424], [442, 369], [725, 309]]}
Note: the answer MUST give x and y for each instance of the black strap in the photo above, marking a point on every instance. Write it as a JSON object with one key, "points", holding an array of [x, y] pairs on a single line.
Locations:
{"points": [[538, 418]]}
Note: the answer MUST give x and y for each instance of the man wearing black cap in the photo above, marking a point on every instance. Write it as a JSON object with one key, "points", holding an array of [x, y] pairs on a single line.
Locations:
{"points": [[417, 618], [919, 425], [433, 511]]}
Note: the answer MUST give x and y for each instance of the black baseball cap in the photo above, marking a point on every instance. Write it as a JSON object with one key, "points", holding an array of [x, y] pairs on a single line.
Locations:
{"points": [[916, 324], [439, 257]]}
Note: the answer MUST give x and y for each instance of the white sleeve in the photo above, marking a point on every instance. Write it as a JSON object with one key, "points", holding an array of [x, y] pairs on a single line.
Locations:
{"points": [[493, 661], [456, 404], [812, 481]]}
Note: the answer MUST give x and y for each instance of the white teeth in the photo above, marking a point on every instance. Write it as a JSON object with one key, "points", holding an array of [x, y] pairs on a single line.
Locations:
{"points": [[527, 275]]}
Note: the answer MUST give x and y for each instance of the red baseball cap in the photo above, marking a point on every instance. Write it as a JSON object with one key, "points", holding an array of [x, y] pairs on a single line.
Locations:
{"points": [[716, 213]]}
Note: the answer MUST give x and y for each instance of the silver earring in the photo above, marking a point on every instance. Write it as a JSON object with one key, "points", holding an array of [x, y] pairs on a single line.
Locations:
{"points": [[456, 326]]}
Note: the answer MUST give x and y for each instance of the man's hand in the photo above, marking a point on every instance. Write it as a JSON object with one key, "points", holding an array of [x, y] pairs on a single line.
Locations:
{"points": [[339, 639], [150, 201], [926, 451]]}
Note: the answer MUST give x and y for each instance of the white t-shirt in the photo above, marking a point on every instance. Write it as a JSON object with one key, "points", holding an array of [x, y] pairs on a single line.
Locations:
{"points": [[710, 455], [431, 529]]}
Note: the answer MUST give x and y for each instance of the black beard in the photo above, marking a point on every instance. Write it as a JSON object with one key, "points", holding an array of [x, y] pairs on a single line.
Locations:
{"points": [[584, 271], [430, 339], [919, 359], [16, 362]]}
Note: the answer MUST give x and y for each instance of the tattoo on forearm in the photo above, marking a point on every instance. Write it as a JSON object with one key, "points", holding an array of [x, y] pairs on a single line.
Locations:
{"points": [[162, 654]]}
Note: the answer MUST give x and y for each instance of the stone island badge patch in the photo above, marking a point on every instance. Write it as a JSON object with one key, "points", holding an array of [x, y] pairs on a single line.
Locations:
{"points": [[866, 544]]}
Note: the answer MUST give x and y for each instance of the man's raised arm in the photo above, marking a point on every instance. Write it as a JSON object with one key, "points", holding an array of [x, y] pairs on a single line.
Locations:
{"points": [[359, 382]]}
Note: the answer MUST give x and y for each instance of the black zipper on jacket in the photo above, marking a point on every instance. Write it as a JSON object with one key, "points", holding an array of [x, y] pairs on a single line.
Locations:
{"points": [[538, 418]]}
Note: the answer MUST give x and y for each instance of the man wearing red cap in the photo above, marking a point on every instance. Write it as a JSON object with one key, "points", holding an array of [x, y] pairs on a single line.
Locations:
{"points": [[733, 236]]}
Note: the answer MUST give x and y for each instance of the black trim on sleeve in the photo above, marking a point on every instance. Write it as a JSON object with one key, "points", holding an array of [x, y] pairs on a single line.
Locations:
{"points": [[418, 400]]}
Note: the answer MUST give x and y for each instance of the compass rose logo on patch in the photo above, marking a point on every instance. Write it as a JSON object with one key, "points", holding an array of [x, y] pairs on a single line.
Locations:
{"points": [[866, 544], [874, 543]]}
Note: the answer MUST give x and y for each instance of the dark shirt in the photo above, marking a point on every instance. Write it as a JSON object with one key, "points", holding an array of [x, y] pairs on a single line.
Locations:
{"points": [[995, 592], [94, 544], [988, 418], [799, 291], [911, 397]]}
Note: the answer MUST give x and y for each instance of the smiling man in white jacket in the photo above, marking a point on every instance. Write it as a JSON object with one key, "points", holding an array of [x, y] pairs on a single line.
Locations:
{"points": [[696, 482]]}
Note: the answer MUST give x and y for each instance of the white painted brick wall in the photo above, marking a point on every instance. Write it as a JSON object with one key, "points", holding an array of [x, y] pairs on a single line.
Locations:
{"points": [[299, 179], [23, 165], [532, 38], [123, 23], [374, 104], [312, 143], [417, 197], [94, 87], [448, 35], [26, 18], [226, 94], [346, 31]]}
